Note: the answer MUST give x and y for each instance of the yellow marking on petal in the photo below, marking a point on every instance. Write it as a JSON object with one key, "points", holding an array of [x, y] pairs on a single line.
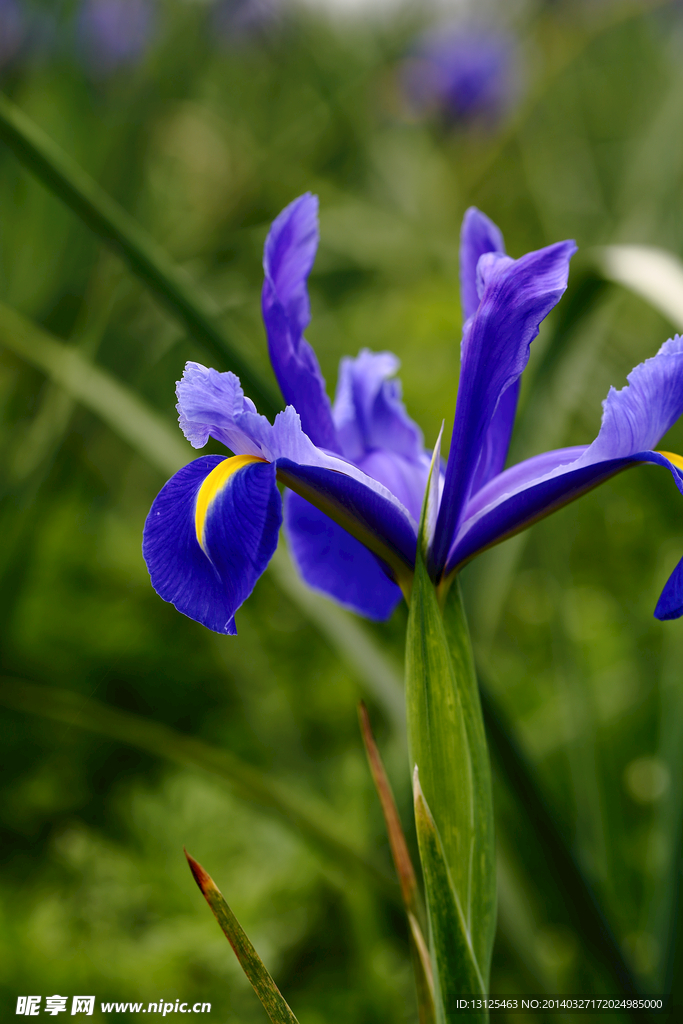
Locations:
{"points": [[677, 460], [213, 484]]}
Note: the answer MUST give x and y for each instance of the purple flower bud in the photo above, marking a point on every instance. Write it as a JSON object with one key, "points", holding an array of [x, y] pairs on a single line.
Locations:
{"points": [[113, 33], [465, 74], [12, 30]]}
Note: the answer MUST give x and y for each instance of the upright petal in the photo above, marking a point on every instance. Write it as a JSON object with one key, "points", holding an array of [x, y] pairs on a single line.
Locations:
{"points": [[331, 560], [368, 412], [516, 295], [496, 441], [210, 534], [287, 260], [478, 235]]}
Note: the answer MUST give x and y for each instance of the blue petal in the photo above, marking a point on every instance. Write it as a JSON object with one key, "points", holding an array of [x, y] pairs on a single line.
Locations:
{"points": [[382, 525], [670, 604], [368, 411], [496, 441], [635, 418], [478, 235], [516, 295], [333, 561], [287, 260], [531, 490], [239, 536]]}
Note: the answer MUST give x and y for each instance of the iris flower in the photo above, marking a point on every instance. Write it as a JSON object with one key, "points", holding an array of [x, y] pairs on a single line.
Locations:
{"points": [[355, 472], [467, 73]]}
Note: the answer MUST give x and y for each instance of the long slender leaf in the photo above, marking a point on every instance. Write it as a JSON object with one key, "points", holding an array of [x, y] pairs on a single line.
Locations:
{"points": [[311, 818], [457, 973], [265, 988], [147, 260], [128, 416]]}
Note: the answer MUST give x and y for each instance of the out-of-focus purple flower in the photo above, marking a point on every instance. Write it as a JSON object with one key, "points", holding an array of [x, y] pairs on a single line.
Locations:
{"points": [[113, 33], [463, 73], [12, 30], [234, 21]]}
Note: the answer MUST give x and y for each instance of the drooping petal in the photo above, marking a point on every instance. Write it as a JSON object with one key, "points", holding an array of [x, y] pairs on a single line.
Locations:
{"points": [[210, 534], [516, 295], [368, 412], [536, 494], [287, 260], [331, 560], [478, 235], [212, 403], [382, 525], [637, 416], [670, 604]]}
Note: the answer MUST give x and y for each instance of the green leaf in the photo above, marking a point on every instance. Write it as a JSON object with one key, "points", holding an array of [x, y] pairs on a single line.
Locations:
{"points": [[128, 415], [457, 973], [147, 260], [265, 988]]}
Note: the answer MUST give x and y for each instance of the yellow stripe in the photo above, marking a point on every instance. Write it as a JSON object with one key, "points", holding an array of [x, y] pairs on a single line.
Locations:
{"points": [[677, 460], [214, 482]]}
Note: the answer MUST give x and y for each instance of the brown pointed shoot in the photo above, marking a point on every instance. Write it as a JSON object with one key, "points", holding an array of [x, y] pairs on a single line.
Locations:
{"points": [[404, 869], [265, 988]]}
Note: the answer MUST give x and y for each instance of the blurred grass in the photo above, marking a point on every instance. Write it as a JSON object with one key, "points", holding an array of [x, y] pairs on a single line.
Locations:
{"points": [[204, 143]]}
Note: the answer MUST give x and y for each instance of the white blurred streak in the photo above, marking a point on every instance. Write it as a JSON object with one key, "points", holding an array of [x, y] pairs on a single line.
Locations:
{"points": [[654, 274]]}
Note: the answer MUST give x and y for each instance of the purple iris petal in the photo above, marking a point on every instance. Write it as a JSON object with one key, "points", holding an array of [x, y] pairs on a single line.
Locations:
{"points": [[516, 295], [465, 73], [670, 604], [287, 260], [330, 559], [368, 412], [114, 32], [373, 517], [635, 418], [241, 534], [478, 235]]}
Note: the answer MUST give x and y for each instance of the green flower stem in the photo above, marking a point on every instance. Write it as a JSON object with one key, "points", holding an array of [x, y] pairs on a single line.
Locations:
{"points": [[312, 819], [147, 260]]}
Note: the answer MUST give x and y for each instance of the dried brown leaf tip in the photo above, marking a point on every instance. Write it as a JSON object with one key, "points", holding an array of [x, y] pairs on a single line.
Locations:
{"points": [[203, 880]]}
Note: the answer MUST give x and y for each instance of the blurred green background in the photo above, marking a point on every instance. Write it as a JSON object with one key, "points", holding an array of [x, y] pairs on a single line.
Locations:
{"points": [[203, 134]]}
